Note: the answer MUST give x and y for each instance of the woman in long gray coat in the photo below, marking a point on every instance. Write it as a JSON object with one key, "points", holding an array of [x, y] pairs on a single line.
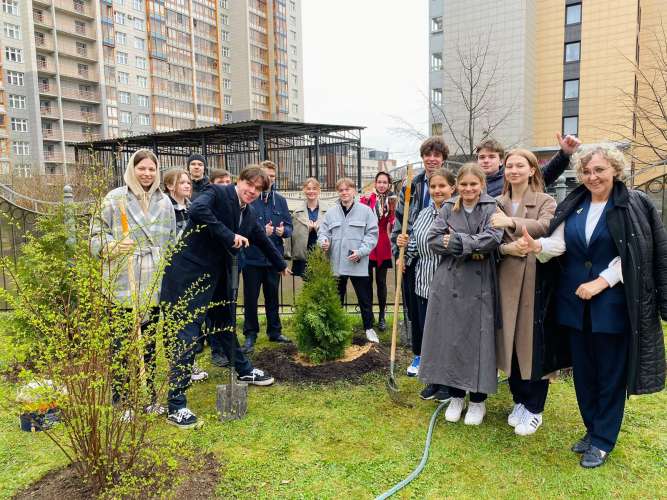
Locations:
{"points": [[458, 349]]}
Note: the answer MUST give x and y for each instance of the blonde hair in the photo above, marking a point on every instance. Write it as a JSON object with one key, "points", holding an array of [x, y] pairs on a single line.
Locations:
{"points": [[470, 168], [311, 180], [345, 181], [536, 181], [608, 151], [171, 178], [269, 164]]}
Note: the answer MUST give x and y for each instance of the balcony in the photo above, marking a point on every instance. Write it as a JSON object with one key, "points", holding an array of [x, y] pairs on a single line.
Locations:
{"points": [[83, 32], [46, 67], [80, 9], [48, 112], [43, 45], [45, 3], [73, 115], [81, 137], [87, 75], [42, 20], [53, 156], [80, 95], [80, 53], [47, 88], [50, 134], [3, 133]]}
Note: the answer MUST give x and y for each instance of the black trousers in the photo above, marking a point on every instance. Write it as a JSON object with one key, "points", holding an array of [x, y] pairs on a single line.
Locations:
{"points": [[529, 393], [418, 324], [599, 368], [411, 308], [475, 397], [268, 278], [364, 297], [380, 284]]}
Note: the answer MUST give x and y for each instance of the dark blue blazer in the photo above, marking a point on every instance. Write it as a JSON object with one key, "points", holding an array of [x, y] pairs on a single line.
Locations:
{"points": [[582, 263], [215, 217], [273, 208]]}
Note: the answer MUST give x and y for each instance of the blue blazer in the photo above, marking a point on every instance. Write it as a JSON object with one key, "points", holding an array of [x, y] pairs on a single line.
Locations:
{"points": [[583, 263], [215, 217]]}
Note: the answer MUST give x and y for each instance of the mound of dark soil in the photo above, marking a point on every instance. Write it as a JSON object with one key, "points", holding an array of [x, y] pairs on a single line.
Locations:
{"points": [[282, 362], [197, 483]]}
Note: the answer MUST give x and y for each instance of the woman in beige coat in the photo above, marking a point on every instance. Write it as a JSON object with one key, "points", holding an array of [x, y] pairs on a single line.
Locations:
{"points": [[306, 221], [523, 204]]}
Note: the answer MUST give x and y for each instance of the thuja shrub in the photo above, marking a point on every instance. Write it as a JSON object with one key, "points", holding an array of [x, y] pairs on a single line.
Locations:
{"points": [[323, 327], [88, 346]]}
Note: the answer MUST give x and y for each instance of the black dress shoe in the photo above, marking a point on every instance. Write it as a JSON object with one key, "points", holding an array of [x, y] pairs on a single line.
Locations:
{"points": [[219, 360], [382, 324], [593, 457], [582, 445], [282, 339], [248, 345]]}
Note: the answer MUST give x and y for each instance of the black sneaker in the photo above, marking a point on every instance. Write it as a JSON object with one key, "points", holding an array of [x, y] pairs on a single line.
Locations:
{"points": [[582, 445], [429, 392], [442, 395], [184, 419], [256, 377], [281, 338], [219, 360]]}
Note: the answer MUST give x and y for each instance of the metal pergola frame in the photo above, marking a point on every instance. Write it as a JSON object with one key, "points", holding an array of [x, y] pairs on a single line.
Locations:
{"points": [[301, 150]]}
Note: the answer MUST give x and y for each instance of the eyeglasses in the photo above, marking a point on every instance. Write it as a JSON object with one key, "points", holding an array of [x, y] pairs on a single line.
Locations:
{"points": [[598, 171]]}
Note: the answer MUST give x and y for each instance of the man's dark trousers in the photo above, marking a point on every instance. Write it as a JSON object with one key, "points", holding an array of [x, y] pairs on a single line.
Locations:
{"points": [[268, 279]]}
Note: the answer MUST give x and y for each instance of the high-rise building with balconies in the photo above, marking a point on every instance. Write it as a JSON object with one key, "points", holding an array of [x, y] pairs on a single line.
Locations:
{"points": [[77, 70]]}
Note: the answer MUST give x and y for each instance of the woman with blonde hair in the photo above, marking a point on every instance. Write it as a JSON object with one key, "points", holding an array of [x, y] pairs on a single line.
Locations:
{"points": [[179, 188], [306, 221], [522, 205], [458, 349]]}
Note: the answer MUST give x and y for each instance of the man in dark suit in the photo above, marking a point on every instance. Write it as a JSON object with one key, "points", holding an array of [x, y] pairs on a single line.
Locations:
{"points": [[221, 222]]}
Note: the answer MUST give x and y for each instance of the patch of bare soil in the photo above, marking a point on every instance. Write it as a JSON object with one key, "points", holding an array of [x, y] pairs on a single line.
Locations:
{"points": [[197, 482], [286, 365]]}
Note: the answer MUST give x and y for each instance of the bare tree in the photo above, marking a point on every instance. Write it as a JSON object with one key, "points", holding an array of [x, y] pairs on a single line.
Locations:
{"points": [[472, 82], [647, 103]]}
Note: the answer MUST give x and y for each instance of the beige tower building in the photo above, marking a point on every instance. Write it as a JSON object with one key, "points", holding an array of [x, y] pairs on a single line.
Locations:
{"points": [[566, 65], [78, 70]]}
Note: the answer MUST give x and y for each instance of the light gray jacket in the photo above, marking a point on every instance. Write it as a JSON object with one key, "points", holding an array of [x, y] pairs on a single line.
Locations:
{"points": [[356, 231]]}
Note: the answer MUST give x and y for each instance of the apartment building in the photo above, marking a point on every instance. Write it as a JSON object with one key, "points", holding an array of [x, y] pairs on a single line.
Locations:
{"points": [[562, 65], [76, 70]]}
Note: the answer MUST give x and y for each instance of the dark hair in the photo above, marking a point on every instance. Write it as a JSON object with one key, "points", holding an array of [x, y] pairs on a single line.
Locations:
{"points": [[217, 173], [447, 174], [386, 174], [536, 181], [253, 172], [492, 145], [434, 144]]}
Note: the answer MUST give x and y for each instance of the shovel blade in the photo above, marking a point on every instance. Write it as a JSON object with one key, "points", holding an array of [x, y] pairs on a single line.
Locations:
{"points": [[232, 401], [395, 394]]}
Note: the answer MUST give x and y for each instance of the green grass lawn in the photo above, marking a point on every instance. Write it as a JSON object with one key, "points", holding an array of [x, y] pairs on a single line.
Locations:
{"points": [[351, 441]]}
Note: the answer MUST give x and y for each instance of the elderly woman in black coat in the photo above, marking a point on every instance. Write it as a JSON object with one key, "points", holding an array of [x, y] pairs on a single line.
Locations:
{"points": [[610, 294]]}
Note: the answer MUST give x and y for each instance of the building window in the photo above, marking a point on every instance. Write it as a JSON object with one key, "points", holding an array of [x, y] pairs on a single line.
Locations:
{"points": [[292, 6], [226, 83], [21, 148], [228, 116], [13, 31], [19, 124], [120, 18], [139, 24], [571, 90], [142, 100], [224, 18], [138, 5], [142, 81], [141, 62], [572, 51], [10, 7], [82, 70], [225, 52], [112, 112], [121, 57], [573, 14], [123, 77], [570, 125], [144, 119], [436, 61], [224, 4], [436, 24], [436, 129], [123, 97], [436, 97], [228, 100], [80, 27], [13, 54], [15, 78], [225, 36], [295, 108], [139, 43], [121, 38], [16, 101], [226, 68], [125, 117]]}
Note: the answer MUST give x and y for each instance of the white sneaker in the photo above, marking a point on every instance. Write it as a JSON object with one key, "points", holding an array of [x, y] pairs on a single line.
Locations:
{"points": [[529, 423], [155, 409], [475, 413], [198, 374], [454, 410], [372, 336], [515, 415], [128, 416]]}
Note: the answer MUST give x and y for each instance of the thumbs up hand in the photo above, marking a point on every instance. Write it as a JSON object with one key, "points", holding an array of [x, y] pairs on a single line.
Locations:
{"points": [[527, 244], [269, 228], [280, 230]]}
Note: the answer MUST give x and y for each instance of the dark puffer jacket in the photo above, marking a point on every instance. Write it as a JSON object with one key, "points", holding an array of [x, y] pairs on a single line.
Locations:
{"points": [[641, 241]]}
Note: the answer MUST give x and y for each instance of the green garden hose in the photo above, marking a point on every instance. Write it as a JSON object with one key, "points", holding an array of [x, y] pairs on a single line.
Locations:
{"points": [[422, 463]]}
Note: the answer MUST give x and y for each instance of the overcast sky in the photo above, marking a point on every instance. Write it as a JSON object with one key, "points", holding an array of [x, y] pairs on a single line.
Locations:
{"points": [[364, 62]]}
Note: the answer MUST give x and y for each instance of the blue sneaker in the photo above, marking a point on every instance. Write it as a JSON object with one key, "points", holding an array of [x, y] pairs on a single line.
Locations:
{"points": [[413, 369]]}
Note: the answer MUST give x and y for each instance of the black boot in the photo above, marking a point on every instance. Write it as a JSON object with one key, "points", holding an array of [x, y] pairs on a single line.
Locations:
{"points": [[249, 345], [382, 324]]}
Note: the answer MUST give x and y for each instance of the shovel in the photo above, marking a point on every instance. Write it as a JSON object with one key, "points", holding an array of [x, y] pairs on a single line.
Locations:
{"points": [[232, 398], [392, 386]]}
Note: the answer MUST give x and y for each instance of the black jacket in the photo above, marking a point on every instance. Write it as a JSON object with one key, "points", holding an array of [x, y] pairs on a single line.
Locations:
{"points": [[416, 205], [641, 242], [198, 187]]}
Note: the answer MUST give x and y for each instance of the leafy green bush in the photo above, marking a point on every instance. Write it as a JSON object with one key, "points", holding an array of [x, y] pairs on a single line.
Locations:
{"points": [[323, 327]]}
